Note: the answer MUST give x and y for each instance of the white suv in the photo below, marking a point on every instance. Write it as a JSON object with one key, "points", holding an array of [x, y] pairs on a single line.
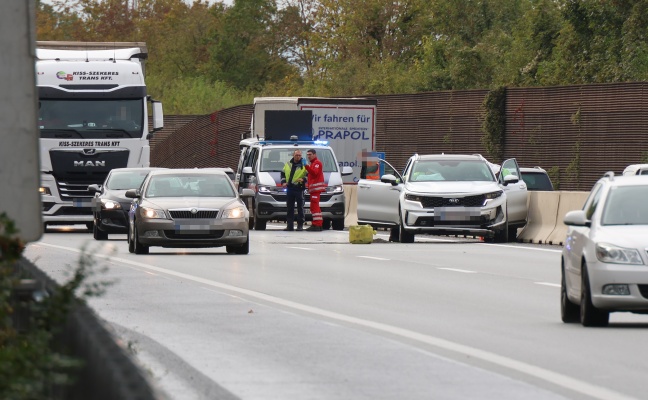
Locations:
{"points": [[445, 194], [604, 261]]}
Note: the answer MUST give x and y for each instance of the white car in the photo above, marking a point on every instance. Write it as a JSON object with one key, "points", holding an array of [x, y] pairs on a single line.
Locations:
{"points": [[636, 169], [445, 194], [605, 259]]}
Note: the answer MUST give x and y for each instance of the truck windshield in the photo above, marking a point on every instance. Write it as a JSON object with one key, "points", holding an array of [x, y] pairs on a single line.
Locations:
{"points": [[90, 118]]}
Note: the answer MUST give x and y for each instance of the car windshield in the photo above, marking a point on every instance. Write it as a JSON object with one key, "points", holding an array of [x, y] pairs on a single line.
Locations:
{"points": [[451, 170], [626, 205], [190, 186], [537, 181], [124, 180], [273, 160]]}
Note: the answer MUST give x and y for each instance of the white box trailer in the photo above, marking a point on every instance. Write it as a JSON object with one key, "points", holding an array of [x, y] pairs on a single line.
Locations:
{"points": [[348, 125]]}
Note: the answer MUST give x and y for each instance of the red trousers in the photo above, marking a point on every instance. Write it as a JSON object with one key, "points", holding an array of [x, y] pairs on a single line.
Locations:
{"points": [[315, 209]]}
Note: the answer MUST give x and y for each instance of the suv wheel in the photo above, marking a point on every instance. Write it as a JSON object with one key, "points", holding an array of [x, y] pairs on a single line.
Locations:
{"points": [[338, 224], [502, 235], [98, 234], [405, 236]]}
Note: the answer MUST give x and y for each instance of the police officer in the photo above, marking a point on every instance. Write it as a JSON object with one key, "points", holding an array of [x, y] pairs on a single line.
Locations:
{"points": [[293, 178]]}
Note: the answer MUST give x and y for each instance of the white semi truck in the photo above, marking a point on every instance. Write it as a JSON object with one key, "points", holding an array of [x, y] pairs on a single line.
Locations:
{"points": [[93, 117]]}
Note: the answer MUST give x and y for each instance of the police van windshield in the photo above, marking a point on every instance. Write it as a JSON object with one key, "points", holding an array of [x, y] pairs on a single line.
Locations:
{"points": [[90, 118], [273, 160]]}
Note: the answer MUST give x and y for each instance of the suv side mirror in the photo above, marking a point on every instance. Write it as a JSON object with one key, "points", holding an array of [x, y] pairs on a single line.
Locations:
{"points": [[576, 218], [132, 193], [247, 170], [511, 179], [94, 188], [346, 170], [247, 192], [389, 178]]}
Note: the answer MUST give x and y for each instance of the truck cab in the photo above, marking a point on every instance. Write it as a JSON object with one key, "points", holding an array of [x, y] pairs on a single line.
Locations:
{"points": [[260, 167]]}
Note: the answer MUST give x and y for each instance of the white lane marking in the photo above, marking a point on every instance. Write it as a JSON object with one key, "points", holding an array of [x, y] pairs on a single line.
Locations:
{"points": [[521, 247], [594, 391], [465, 271], [375, 258], [300, 248], [548, 284]]}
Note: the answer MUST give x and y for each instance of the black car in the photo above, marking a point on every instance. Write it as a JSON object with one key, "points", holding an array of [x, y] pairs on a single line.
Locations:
{"points": [[536, 178], [110, 205]]}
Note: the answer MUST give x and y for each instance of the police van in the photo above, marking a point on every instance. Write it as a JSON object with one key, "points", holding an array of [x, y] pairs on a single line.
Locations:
{"points": [[260, 167]]}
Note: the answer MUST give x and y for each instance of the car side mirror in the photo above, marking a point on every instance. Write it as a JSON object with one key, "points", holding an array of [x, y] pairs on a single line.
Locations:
{"points": [[132, 193], [94, 188], [389, 178], [247, 192], [511, 179], [576, 218], [247, 170], [346, 170]]}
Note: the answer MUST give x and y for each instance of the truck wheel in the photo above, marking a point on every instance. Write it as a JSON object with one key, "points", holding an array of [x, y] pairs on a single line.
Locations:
{"points": [[338, 224]]}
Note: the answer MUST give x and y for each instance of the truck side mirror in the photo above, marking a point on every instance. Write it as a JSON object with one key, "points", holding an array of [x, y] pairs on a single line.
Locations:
{"points": [[158, 115]]}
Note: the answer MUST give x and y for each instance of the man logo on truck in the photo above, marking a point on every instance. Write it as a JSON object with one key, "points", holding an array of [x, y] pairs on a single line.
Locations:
{"points": [[89, 163]]}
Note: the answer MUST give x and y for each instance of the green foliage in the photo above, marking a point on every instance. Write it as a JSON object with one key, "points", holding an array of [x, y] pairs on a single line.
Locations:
{"points": [[494, 123], [30, 366], [360, 47]]}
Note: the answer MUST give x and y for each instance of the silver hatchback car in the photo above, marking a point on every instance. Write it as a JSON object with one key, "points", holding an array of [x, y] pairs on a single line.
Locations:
{"points": [[188, 208], [605, 256]]}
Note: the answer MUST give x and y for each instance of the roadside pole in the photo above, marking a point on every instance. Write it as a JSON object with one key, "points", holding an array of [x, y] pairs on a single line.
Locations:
{"points": [[19, 137]]}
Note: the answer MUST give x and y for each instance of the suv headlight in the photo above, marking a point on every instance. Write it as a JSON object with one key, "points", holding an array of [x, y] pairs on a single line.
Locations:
{"points": [[617, 255], [337, 189], [152, 213], [234, 212], [413, 197], [110, 205], [493, 195]]}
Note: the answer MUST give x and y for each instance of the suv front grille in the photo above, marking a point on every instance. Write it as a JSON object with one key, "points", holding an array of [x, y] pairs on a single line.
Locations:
{"points": [[207, 214], [467, 201]]}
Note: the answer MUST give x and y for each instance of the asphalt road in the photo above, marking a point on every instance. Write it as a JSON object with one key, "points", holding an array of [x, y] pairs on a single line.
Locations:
{"points": [[306, 315]]}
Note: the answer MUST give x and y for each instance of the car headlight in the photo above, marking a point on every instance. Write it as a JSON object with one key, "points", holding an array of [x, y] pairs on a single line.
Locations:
{"points": [[45, 191], [152, 213], [110, 205], [337, 189], [236, 212], [414, 197], [617, 255], [493, 195]]}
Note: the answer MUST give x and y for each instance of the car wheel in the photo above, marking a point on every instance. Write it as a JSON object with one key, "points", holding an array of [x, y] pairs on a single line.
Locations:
{"points": [[99, 234], [252, 217], [89, 225], [405, 236], [239, 249], [139, 247], [338, 224], [259, 224], [590, 315], [569, 312], [131, 242]]}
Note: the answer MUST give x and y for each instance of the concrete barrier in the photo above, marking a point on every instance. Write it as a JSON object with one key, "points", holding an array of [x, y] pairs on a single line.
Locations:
{"points": [[569, 201], [543, 208]]}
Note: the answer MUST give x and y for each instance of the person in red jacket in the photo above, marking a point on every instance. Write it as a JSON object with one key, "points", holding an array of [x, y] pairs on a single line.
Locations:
{"points": [[316, 186]]}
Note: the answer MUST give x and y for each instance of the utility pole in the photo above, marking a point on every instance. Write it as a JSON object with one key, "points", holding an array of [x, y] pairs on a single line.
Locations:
{"points": [[19, 136]]}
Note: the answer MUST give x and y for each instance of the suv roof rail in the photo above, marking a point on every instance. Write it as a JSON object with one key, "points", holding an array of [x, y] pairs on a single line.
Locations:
{"points": [[609, 174]]}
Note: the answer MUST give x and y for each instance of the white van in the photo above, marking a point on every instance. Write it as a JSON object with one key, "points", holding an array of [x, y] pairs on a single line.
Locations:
{"points": [[636, 169], [260, 167]]}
